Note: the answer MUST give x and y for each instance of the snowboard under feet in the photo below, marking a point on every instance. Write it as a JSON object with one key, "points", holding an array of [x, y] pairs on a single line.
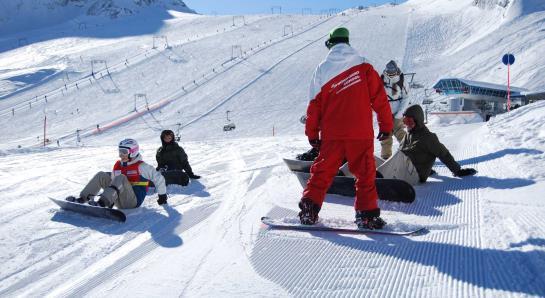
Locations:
{"points": [[95, 211], [328, 225]]}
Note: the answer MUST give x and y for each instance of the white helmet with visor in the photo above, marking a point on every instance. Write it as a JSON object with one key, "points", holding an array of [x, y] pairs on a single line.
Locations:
{"points": [[130, 147]]}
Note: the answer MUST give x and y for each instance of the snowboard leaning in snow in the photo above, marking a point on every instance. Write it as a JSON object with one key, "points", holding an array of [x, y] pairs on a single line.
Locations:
{"points": [[298, 165], [113, 214], [395, 190], [294, 224], [304, 165]]}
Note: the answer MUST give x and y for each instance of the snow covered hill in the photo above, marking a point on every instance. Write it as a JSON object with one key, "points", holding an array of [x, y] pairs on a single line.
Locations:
{"points": [[136, 75], [21, 15]]}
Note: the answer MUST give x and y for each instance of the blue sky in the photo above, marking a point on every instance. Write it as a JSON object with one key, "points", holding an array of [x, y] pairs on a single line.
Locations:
{"points": [[264, 6]]}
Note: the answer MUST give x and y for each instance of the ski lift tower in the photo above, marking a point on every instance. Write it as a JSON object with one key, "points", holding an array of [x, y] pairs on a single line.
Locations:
{"points": [[157, 40], [138, 98], [178, 137], [95, 66], [236, 52], [288, 30], [239, 19], [276, 8]]}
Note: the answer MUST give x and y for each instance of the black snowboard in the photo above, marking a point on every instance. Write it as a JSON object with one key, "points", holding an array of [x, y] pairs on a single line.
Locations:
{"points": [[388, 189], [324, 225], [108, 213], [302, 165]]}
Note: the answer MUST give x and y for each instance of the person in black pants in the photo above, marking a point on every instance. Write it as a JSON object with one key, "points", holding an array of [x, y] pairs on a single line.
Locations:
{"points": [[172, 161]]}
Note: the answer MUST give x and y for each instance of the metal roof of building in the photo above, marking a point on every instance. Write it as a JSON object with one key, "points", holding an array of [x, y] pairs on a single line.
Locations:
{"points": [[484, 85]]}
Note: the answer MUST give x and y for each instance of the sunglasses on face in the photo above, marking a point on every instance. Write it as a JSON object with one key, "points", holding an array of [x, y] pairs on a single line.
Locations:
{"points": [[123, 151], [392, 74]]}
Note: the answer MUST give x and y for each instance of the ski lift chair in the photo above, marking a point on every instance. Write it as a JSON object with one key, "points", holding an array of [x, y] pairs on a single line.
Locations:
{"points": [[229, 126]]}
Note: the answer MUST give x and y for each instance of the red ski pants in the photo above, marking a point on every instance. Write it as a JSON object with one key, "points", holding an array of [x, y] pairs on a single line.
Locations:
{"points": [[361, 163]]}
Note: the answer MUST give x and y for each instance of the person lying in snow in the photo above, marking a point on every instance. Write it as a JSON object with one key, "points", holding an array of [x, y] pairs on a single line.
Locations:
{"points": [[126, 187], [422, 147], [172, 161]]}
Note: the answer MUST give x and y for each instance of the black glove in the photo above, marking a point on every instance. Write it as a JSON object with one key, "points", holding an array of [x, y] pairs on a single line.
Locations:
{"points": [[315, 143], [465, 172], [162, 199], [193, 176], [310, 155], [383, 135]]}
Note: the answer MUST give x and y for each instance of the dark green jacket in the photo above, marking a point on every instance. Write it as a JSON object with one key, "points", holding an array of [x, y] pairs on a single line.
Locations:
{"points": [[423, 147], [171, 155]]}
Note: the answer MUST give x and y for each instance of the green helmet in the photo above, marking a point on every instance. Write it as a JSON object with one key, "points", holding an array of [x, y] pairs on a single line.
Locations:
{"points": [[336, 36]]}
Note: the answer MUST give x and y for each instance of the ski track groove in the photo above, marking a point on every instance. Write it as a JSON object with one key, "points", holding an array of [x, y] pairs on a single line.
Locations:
{"points": [[529, 218], [191, 218], [48, 267], [239, 186], [332, 265], [22, 212]]}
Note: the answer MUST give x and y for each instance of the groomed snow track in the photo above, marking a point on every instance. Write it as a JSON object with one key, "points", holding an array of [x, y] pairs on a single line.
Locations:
{"points": [[450, 261]]}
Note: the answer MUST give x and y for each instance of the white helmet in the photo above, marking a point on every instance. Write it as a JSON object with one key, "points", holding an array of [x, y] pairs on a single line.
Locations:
{"points": [[392, 70], [129, 146]]}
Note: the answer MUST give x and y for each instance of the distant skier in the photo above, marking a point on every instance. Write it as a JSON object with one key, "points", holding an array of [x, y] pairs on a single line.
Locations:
{"points": [[422, 147], [127, 185], [394, 83], [344, 91], [172, 160]]}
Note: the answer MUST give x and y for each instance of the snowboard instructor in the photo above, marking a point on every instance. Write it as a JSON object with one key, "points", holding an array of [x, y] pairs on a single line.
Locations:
{"points": [[344, 92], [127, 185]]}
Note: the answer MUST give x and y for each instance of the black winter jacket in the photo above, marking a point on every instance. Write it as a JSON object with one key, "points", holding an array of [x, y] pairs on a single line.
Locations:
{"points": [[172, 156], [423, 147]]}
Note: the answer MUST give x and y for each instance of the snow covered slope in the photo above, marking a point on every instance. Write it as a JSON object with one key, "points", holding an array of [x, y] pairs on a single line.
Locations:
{"points": [[21, 15], [461, 39], [137, 75]]}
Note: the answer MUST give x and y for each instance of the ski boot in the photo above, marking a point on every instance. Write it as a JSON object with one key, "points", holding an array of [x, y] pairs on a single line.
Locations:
{"points": [[369, 220], [101, 202], [193, 176], [76, 200], [309, 211]]}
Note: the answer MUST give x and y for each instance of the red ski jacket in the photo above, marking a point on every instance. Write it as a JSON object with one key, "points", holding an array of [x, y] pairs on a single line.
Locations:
{"points": [[342, 108]]}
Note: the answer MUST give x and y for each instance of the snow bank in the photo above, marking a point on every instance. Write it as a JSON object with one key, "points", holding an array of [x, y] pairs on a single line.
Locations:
{"points": [[524, 130], [450, 118], [524, 7], [524, 126]]}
